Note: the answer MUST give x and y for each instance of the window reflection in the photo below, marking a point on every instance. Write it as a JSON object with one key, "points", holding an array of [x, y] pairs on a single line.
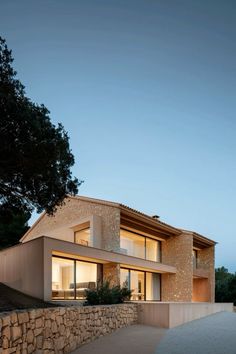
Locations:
{"points": [[140, 246]]}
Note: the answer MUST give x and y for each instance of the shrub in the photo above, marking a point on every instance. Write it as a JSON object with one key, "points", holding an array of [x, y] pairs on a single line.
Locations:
{"points": [[104, 294]]}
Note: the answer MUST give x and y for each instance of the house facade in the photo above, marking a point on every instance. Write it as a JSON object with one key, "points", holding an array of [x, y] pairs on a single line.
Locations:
{"points": [[90, 240]]}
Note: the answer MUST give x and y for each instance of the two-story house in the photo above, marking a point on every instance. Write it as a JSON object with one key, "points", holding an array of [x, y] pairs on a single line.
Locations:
{"points": [[89, 240]]}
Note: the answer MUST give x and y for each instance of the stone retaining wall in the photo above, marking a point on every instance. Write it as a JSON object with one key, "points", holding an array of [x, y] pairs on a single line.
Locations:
{"points": [[60, 330]]}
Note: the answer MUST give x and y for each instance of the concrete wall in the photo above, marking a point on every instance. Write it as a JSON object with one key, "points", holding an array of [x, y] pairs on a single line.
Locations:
{"points": [[169, 315], [61, 330], [22, 267], [177, 251], [76, 211]]}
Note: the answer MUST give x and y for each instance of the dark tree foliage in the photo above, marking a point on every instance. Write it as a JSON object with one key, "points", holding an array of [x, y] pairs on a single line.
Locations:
{"points": [[225, 290], [35, 156], [13, 224], [105, 294]]}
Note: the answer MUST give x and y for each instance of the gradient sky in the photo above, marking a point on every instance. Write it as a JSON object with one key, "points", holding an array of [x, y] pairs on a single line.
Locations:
{"points": [[146, 90]]}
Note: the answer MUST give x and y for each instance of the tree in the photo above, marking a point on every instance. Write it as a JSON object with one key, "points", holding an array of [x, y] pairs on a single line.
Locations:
{"points": [[35, 156], [225, 289]]}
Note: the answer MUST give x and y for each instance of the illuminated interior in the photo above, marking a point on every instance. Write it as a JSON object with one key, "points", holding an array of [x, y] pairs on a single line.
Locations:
{"points": [[71, 278], [140, 246], [144, 285], [83, 237]]}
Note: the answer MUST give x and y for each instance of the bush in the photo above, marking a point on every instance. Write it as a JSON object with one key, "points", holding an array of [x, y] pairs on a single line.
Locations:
{"points": [[105, 294]]}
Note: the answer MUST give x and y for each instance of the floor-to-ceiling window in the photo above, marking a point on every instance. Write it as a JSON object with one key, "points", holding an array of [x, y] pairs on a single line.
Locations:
{"points": [[71, 278], [137, 284], [144, 285], [134, 244], [153, 286]]}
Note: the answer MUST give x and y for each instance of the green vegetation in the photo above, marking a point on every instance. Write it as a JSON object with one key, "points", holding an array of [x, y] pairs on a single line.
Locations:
{"points": [[35, 156], [105, 294], [225, 290]]}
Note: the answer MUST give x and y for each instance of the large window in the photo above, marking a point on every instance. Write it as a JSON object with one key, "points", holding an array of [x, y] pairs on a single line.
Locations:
{"points": [[71, 278], [63, 274], [153, 283], [195, 260], [83, 237], [132, 244], [144, 285], [140, 246]]}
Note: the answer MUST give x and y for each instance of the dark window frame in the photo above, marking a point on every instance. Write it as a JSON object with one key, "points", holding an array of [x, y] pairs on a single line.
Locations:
{"points": [[145, 290], [74, 261]]}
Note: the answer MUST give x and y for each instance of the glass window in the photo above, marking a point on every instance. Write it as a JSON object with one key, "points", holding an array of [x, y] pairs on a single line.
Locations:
{"points": [[153, 250], [83, 237], [194, 259], [64, 284], [86, 278], [137, 285], [132, 244], [140, 246], [144, 285], [62, 278], [153, 286], [124, 278]]}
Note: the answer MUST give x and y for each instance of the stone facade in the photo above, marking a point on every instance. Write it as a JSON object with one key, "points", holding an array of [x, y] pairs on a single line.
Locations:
{"points": [[105, 219], [111, 273], [206, 261], [177, 251], [61, 330], [74, 210]]}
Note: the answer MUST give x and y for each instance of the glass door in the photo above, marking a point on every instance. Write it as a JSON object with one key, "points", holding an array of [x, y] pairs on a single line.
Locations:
{"points": [[137, 285]]}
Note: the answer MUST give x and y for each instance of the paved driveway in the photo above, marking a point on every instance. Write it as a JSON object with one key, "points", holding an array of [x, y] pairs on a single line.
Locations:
{"points": [[136, 339], [215, 334]]}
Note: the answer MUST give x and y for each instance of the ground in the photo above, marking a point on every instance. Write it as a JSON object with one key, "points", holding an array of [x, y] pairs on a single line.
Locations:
{"points": [[215, 334], [11, 300]]}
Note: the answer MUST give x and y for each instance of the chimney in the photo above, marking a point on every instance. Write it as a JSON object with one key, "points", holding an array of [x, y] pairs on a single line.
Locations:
{"points": [[156, 217]]}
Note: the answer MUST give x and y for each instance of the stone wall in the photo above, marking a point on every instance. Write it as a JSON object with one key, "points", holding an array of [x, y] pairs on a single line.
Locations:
{"points": [[74, 210], [206, 261], [61, 330], [177, 251]]}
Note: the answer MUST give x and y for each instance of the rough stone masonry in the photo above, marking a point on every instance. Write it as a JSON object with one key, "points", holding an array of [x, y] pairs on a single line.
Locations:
{"points": [[60, 330]]}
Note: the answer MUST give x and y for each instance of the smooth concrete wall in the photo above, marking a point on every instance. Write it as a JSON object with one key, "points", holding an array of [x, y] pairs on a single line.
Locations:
{"points": [[21, 267], [169, 315], [193, 311], [153, 314], [93, 254]]}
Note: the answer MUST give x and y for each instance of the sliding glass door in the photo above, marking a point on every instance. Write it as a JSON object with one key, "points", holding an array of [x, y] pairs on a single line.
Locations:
{"points": [[71, 278], [144, 285]]}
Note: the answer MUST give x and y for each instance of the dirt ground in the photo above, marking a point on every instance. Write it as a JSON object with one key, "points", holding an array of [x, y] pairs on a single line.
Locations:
{"points": [[11, 299]]}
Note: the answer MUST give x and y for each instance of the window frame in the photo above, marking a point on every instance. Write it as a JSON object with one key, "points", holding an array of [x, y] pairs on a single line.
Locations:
{"points": [[145, 244], [74, 261], [145, 283]]}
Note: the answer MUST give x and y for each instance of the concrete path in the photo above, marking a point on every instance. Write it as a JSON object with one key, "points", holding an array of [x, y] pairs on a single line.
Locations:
{"points": [[136, 339], [215, 334]]}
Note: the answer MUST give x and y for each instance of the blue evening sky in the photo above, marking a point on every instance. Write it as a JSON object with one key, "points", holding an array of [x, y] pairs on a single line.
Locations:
{"points": [[146, 90]]}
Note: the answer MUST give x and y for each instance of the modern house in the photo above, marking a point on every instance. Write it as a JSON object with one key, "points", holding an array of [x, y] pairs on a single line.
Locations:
{"points": [[89, 240]]}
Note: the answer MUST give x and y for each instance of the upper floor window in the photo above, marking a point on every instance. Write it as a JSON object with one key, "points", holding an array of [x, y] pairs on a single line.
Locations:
{"points": [[83, 237], [194, 259], [140, 246]]}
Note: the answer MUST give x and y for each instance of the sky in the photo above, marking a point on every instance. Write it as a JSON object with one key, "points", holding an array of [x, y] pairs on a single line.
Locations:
{"points": [[146, 90]]}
